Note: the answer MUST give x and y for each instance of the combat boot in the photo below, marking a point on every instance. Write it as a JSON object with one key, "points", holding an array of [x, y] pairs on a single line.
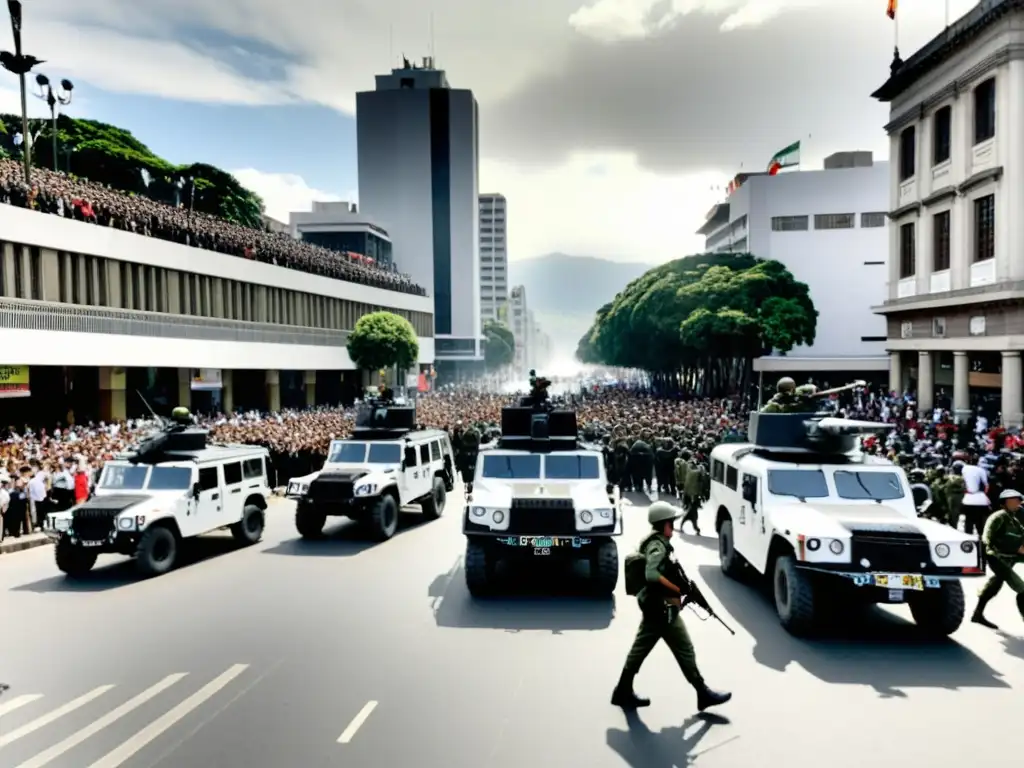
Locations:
{"points": [[709, 698], [624, 696], [978, 617]]}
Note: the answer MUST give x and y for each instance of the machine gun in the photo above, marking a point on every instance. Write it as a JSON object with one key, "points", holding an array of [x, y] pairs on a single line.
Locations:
{"points": [[693, 596], [539, 397], [853, 385]]}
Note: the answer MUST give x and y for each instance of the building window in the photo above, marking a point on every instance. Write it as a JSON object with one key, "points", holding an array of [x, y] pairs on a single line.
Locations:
{"points": [[942, 132], [977, 326], [940, 241], [834, 220], [907, 329], [985, 228], [789, 223], [908, 153], [908, 257], [939, 327], [985, 111], [872, 219], [873, 338]]}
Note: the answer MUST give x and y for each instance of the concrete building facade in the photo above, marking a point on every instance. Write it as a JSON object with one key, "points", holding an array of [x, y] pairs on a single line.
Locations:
{"points": [[340, 226], [493, 255]]}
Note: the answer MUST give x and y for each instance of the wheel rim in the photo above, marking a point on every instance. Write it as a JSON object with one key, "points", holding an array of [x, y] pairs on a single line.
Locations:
{"points": [[161, 550]]}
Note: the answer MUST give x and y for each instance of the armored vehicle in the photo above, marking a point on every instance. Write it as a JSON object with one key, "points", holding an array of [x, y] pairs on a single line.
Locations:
{"points": [[802, 506], [539, 494], [174, 486], [386, 464]]}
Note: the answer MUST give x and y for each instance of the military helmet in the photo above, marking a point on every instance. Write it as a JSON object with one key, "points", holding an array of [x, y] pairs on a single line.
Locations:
{"points": [[662, 511], [805, 390], [786, 384]]}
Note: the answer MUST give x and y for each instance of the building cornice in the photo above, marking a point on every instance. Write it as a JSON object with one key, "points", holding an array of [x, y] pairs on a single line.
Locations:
{"points": [[991, 174], [905, 210], [939, 195], [1007, 290]]}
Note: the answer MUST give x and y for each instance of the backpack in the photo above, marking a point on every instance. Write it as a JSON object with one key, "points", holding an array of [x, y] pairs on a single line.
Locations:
{"points": [[635, 568]]}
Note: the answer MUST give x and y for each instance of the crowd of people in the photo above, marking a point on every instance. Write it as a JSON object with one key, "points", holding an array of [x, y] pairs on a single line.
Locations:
{"points": [[74, 198]]}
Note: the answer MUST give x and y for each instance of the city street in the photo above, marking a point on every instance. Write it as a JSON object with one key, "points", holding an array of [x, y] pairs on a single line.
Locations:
{"points": [[344, 653]]}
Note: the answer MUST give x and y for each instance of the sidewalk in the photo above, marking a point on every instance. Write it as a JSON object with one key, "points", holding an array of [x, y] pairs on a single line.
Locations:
{"points": [[11, 544]]}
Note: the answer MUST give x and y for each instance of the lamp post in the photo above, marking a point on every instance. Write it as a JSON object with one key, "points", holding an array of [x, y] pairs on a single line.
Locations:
{"points": [[20, 64], [52, 98]]}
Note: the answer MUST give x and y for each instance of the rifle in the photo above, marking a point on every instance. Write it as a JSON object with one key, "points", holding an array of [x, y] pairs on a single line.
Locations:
{"points": [[692, 594]]}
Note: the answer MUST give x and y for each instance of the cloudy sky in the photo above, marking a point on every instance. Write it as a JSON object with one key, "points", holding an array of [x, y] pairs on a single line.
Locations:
{"points": [[608, 124]]}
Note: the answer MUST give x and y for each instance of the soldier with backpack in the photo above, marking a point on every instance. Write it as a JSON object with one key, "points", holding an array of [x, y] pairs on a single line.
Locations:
{"points": [[660, 600]]}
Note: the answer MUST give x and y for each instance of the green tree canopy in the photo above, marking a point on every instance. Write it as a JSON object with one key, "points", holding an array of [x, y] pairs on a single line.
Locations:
{"points": [[704, 317], [113, 156], [382, 340], [499, 345]]}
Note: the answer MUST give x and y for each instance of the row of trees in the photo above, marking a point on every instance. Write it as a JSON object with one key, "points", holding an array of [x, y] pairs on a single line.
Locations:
{"points": [[697, 323]]}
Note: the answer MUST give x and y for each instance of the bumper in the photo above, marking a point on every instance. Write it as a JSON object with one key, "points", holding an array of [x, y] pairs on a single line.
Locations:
{"points": [[120, 542], [337, 508], [910, 582], [547, 547]]}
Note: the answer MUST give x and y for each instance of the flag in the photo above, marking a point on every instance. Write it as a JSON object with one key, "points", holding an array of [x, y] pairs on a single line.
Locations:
{"points": [[890, 9], [784, 158]]}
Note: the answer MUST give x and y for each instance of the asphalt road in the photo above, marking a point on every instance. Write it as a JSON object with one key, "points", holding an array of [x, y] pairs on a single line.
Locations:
{"points": [[341, 653]]}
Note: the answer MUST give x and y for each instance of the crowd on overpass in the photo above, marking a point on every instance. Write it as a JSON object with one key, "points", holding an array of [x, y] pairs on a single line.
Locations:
{"points": [[74, 198]]}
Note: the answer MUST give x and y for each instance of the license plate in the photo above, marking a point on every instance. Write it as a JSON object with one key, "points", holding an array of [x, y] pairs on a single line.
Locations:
{"points": [[900, 581], [93, 543], [541, 542], [541, 551], [896, 596]]}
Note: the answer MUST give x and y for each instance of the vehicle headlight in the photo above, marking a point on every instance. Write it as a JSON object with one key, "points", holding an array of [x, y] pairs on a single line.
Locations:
{"points": [[813, 545], [586, 517], [478, 511], [125, 523], [942, 550], [366, 490], [61, 523], [498, 516], [967, 547], [298, 489], [836, 547]]}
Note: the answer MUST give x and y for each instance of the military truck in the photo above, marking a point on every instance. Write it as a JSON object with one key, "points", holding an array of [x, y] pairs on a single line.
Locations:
{"points": [[828, 526], [539, 495]]}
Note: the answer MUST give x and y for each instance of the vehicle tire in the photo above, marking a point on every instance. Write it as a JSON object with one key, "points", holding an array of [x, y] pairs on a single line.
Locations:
{"points": [[939, 612], [249, 530], [157, 551], [308, 522], [479, 567], [383, 518], [605, 569], [731, 561], [794, 596], [434, 504], [72, 560]]}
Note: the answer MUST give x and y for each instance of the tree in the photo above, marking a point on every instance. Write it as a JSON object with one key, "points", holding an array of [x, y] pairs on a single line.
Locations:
{"points": [[499, 345], [382, 340], [701, 320]]}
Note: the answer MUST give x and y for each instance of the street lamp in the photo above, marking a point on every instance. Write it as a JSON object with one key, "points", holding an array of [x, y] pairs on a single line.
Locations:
{"points": [[20, 64], [53, 98]]}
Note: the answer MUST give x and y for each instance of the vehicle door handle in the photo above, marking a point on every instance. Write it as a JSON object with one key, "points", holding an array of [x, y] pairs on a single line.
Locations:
{"points": [[237, 490], [215, 496]]}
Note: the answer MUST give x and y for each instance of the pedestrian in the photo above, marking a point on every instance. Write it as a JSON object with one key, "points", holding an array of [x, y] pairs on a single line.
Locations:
{"points": [[1004, 545], [660, 604]]}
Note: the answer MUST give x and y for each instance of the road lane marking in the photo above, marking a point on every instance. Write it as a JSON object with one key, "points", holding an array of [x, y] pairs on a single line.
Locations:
{"points": [[357, 722], [135, 744], [49, 755], [18, 702], [49, 717]]}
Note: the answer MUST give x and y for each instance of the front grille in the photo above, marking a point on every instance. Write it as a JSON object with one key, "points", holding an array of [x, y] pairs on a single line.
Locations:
{"points": [[330, 490], [93, 524], [892, 552], [552, 517]]}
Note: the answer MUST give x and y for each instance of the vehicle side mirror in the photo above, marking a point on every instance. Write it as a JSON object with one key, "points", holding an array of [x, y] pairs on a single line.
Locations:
{"points": [[195, 491], [609, 489]]}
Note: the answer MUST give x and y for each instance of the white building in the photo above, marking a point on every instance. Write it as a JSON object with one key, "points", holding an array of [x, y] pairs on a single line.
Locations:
{"points": [[828, 227], [493, 255], [418, 153], [521, 324], [340, 226], [955, 304]]}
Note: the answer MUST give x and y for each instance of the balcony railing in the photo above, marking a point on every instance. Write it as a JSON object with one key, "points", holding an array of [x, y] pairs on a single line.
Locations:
{"points": [[26, 315]]}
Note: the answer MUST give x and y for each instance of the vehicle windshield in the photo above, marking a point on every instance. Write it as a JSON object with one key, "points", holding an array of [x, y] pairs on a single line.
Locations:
{"points": [[801, 483], [124, 477], [345, 452], [384, 453], [880, 486], [571, 467], [170, 479], [512, 467]]}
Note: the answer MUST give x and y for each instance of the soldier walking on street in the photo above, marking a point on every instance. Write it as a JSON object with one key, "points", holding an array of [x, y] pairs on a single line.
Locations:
{"points": [[660, 603], [1004, 545]]}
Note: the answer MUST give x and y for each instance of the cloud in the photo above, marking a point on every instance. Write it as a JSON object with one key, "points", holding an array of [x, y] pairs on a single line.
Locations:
{"points": [[283, 193]]}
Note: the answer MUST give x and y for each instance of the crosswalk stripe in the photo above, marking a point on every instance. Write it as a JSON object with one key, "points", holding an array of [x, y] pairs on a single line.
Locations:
{"points": [[19, 701], [49, 717], [135, 744], [47, 756]]}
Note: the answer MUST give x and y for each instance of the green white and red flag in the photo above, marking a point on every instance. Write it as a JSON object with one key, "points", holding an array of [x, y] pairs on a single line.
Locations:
{"points": [[784, 158]]}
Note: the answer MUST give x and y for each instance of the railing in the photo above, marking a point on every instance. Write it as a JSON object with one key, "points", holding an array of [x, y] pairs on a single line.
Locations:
{"points": [[26, 315]]}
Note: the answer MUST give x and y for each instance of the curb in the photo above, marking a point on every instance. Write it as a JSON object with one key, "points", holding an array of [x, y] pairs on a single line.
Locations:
{"points": [[26, 542]]}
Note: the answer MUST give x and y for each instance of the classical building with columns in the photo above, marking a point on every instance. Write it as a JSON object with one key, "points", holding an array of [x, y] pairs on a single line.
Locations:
{"points": [[96, 322], [955, 306]]}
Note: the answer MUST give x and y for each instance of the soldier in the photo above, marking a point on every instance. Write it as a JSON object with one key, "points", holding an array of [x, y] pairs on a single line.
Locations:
{"points": [[954, 489], [641, 465], [695, 474], [467, 457], [664, 463], [784, 400], [660, 604], [681, 468], [1004, 545]]}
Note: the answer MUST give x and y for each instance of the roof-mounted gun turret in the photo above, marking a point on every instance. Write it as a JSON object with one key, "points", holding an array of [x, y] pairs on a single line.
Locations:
{"points": [[536, 424], [380, 419], [805, 433], [177, 435]]}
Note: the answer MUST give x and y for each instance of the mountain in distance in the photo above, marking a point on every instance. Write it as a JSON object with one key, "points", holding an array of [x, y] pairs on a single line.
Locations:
{"points": [[566, 291]]}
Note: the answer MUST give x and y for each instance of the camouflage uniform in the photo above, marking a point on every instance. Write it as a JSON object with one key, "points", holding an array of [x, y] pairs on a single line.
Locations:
{"points": [[785, 399], [1003, 540]]}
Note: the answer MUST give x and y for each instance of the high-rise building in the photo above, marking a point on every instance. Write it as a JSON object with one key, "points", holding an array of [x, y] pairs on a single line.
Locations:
{"points": [[493, 255], [521, 324], [418, 155]]}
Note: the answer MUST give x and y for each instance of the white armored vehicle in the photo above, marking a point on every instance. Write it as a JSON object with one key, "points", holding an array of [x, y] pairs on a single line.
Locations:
{"points": [[829, 526], [539, 494], [386, 464], [176, 485]]}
